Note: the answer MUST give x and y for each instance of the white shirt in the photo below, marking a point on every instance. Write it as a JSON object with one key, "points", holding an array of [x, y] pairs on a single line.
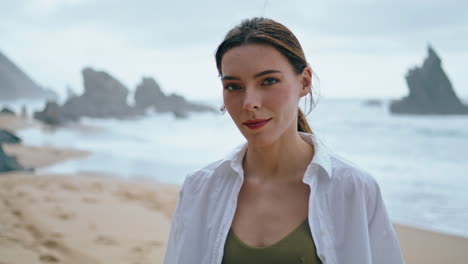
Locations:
{"points": [[347, 216]]}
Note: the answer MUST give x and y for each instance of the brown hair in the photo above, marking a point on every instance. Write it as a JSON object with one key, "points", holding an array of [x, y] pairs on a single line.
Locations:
{"points": [[259, 30]]}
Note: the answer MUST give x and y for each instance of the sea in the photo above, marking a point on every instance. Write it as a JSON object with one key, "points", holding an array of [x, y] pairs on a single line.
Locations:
{"points": [[420, 162]]}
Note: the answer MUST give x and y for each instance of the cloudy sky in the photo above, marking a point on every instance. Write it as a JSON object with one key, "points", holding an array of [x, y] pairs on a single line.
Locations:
{"points": [[358, 48]]}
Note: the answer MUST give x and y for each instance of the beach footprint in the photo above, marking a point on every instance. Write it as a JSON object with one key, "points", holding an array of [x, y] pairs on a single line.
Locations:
{"points": [[69, 187], [142, 253], [62, 214], [105, 240], [51, 244], [49, 258], [50, 251]]}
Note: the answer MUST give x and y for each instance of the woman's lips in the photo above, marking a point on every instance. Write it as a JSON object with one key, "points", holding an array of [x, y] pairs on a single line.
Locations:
{"points": [[257, 123]]}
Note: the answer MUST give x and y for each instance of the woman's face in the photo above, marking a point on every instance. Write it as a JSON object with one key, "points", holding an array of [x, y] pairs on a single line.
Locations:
{"points": [[262, 92]]}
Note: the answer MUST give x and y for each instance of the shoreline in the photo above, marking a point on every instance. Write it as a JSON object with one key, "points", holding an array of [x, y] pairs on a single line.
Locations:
{"points": [[99, 218]]}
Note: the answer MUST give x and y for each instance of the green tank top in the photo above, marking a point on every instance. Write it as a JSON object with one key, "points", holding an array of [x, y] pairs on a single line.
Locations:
{"points": [[296, 248]]}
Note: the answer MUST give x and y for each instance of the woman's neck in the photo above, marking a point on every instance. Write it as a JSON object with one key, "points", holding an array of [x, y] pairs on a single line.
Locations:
{"points": [[282, 160]]}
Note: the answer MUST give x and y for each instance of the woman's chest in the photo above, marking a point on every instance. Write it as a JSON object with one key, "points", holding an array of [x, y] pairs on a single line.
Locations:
{"points": [[265, 215]]}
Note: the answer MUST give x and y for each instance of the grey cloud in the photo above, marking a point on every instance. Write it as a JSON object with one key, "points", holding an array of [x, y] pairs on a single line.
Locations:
{"points": [[161, 24], [381, 17], [157, 22], [366, 17]]}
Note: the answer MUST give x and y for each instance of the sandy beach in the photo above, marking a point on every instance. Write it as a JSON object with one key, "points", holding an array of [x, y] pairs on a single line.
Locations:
{"points": [[83, 219], [93, 218]]}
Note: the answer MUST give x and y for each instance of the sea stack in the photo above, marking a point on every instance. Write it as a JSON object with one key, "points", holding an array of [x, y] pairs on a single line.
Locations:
{"points": [[430, 90], [149, 94], [104, 97]]}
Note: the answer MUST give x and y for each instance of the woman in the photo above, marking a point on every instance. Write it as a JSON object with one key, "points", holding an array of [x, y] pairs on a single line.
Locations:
{"points": [[281, 197]]}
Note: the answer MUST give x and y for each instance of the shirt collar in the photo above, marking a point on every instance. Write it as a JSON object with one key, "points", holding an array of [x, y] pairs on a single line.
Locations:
{"points": [[321, 156]]}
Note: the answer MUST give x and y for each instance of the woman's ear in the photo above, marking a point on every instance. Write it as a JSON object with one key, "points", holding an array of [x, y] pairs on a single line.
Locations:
{"points": [[306, 81]]}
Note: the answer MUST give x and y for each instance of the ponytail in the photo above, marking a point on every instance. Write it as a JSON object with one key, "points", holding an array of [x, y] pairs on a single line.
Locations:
{"points": [[302, 125]]}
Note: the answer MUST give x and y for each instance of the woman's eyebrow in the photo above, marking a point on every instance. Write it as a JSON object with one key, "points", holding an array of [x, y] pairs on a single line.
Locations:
{"points": [[265, 72], [255, 76], [229, 78]]}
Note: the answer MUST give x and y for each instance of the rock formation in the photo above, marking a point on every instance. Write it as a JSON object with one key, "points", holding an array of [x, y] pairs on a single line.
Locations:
{"points": [[430, 91], [53, 114], [15, 84], [149, 94], [103, 97], [7, 111], [8, 137], [8, 163], [106, 97]]}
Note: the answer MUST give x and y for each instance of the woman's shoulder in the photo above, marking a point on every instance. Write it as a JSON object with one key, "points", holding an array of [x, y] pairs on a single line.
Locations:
{"points": [[216, 170], [350, 175], [200, 177]]}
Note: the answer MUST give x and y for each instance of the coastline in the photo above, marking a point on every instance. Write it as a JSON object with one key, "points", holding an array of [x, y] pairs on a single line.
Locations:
{"points": [[96, 218]]}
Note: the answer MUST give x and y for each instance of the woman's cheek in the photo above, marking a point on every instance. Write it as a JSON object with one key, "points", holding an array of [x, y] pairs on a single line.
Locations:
{"points": [[280, 97], [233, 106]]}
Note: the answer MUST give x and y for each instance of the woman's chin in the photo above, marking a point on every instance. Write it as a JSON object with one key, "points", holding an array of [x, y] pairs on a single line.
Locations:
{"points": [[259, 140]]}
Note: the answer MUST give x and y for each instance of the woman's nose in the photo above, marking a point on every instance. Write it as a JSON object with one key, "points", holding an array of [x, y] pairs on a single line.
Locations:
{"points": [[252, 99]]}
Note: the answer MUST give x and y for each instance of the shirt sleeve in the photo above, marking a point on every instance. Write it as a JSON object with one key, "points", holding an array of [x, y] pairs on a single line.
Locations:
{"points": [[384, 243], [174, 241]]}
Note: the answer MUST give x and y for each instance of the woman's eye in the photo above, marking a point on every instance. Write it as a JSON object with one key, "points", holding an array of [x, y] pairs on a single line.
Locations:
{"points": [[270, 81], [232, 87]]}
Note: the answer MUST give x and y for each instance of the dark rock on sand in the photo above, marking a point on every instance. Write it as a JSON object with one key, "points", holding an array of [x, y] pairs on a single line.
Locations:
{"points": [[7, 111], [8, 137], [53, 114], [430, 90], [149, 94], [15, 84], [9, 163]]}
